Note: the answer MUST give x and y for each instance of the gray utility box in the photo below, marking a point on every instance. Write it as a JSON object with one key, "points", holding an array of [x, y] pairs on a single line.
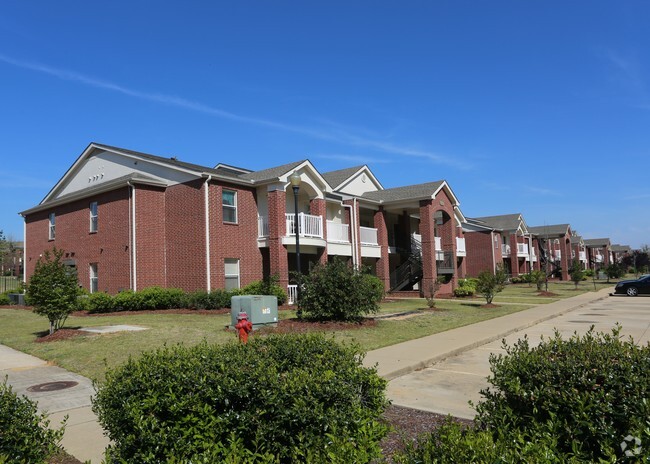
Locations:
{"points": [[261, 309], [17, 298]]}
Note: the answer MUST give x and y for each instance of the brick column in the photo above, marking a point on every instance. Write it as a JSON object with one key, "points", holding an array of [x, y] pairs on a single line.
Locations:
{"points": [[565, 246], [382, 267], [429, 270], [279, 263], [461, 269], [514, 260]]}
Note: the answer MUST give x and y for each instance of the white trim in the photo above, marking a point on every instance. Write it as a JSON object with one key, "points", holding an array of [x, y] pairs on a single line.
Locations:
{"points": [[134, 255], [24, 250]]}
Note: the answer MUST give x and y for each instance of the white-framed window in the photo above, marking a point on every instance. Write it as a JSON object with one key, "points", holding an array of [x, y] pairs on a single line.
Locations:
{"points": [[229, 203], [92, 208], [52, 226], [231, 270], [94, 283]]}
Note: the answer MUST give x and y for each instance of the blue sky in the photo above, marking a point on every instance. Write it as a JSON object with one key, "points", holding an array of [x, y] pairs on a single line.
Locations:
{"points": [[538, 107]]}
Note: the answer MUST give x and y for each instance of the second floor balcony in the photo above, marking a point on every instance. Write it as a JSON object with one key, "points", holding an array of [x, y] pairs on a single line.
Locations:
{"points": [[582, 255], [460, 246], [309, 225]]}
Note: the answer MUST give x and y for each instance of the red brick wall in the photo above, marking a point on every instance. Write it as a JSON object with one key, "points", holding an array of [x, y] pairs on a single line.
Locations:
{"points": [[278, 261], [109, 247], [237, 241], [382, 266], [479, 258], [150, 235]]}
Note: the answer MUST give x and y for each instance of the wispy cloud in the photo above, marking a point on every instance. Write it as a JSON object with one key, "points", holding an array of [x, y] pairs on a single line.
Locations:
{"points": [[12, 181], [353, 158], [630, 76], [339, 135], [495, 186], [542, 191], [641, 196]]}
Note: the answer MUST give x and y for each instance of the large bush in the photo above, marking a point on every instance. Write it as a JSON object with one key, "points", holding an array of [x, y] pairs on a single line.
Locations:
{"points": [[466, 287], [588, 392], [53, 288], [337, 291], [299, 398], [24, 433]]}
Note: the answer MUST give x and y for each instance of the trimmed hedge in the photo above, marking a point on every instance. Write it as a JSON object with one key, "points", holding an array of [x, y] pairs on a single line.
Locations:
{"points": [[24, 432], [466, 287], [297, 398], [154, 298]]}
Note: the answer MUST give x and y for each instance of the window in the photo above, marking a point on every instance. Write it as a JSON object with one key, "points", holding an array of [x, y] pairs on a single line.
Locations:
{"points": [[93, 216], [231, 270], [52, 231], [93, 278], [229, 202]]}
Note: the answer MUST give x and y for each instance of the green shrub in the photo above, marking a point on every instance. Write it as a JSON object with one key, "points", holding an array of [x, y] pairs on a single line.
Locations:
{"points": [[454, 443], [294, 396], [588, 392], [466, 287], [337, 291], [100, 302], [538, 278], [4, 299], [53, 289], [268, 286], [128, 300], [24, 433], [490, 284], [589, 272]]}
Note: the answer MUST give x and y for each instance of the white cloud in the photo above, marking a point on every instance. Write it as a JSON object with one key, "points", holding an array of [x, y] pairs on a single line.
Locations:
{"points": [[337, 135]]}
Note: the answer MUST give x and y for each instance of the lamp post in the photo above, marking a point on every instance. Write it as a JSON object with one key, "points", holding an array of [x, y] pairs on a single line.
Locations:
{"points": [[295, 185]]}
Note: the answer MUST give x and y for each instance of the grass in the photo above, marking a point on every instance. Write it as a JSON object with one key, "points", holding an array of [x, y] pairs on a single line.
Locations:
{"points": [[91, 355]]}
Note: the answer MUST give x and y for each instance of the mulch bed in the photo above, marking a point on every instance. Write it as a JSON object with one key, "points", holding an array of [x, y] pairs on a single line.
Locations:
{"points": [[543, 293]]}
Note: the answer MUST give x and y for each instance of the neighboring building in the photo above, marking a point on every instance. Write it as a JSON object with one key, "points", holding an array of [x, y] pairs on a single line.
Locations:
{"points": [[619, 252], [484, 250], [598, 253], [579, 250], [130, 220], [555, 240], [519, 250], [12, 259]]}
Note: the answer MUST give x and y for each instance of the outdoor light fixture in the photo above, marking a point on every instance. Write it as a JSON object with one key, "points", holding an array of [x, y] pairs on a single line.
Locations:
{"points": [[295, 184]]}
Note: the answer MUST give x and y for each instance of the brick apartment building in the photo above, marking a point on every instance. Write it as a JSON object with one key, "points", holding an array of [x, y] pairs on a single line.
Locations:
{"points": [[131, 220]]}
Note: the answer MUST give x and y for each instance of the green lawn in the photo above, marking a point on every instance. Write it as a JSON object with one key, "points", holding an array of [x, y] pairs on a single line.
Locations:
{"points": [[90, 355]]}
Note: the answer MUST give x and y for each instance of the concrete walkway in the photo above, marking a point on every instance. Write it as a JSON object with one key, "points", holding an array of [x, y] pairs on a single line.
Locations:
{"points": [[35, 379], [84, 437]]}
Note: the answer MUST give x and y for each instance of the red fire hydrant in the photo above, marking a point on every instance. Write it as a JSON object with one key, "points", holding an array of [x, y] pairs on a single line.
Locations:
{"points": [[244, 326]]}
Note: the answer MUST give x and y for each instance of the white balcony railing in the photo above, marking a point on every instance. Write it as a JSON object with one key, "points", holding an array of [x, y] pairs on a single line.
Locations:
{"points": [[310, 226], [557, 255], [292, 294], [583, 256], [339, 233], [505, 250], [368, 236], [262, 226], [522, 249], [460, 246], [438, 243], [533, 255], [599, 258]]}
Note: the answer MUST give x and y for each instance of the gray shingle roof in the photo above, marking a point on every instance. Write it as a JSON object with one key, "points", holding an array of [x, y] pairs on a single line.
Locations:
{"points": [[551, 230], [271, 173], [620, 248], [409, 192], [576, 239], [336, 178], [597, 242], [503, 222]]}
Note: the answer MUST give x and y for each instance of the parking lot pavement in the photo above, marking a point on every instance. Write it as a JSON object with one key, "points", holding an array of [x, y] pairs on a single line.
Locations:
{"points": [[447, 386]]}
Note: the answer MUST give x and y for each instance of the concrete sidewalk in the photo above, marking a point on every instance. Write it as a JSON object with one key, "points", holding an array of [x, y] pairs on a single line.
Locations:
{"points": [[41, 382], [398, 360]]}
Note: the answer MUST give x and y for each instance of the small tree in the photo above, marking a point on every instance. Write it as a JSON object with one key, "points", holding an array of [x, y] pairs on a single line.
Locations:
{"points": [[431, 296], [576, 272], [490, 284], [614, 271], [53, 289], [538, 278]]}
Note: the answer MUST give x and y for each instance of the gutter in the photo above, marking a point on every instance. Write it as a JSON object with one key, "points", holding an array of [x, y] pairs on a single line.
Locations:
{"points": [[206, 198], [134, 265]]}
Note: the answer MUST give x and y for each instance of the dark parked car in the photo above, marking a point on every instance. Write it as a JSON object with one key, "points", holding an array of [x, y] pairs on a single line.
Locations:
{"points": [[634, 287]]}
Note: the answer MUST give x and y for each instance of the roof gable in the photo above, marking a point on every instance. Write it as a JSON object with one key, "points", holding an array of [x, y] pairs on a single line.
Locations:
{"points": [[356, 180], [506, 222]]}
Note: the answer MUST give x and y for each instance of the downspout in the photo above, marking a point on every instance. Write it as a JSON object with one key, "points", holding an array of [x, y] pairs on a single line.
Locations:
{"points": [[494, 264], [357, 245], [134, 267], [24, 250], [207, 232]]}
